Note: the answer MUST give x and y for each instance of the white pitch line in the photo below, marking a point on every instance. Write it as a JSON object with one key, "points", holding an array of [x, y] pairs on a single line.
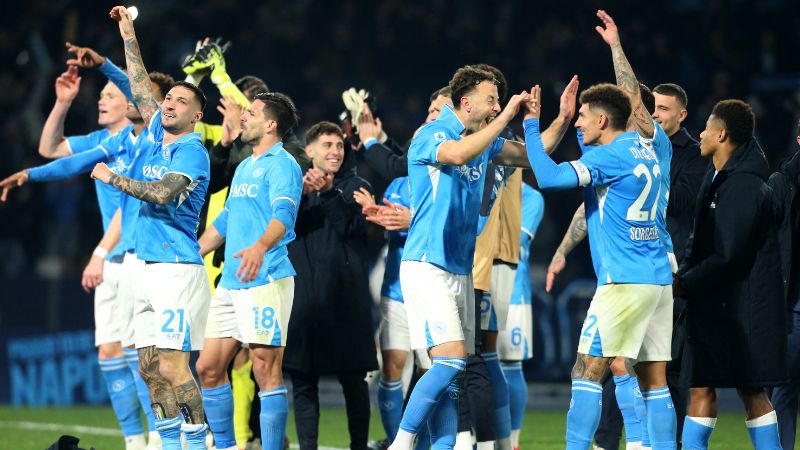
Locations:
{"points": [[95, 430], [60, 427]]}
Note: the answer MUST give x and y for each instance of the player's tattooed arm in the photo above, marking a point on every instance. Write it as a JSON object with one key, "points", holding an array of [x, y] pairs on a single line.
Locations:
{"points": [[590, 367], [575, 234], [159, 192], [626, 79], [137, 74]]}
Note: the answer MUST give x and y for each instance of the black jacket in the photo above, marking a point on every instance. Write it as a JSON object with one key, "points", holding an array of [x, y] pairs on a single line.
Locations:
{"points": [[686, 173], [785, 183], [387, 160], [331, 330], [730, 275]]}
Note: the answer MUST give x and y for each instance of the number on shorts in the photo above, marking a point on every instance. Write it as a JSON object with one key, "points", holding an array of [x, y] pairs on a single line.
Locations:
{"points": [[516, 336], [591, 322], [267, 317], [167, 327]]}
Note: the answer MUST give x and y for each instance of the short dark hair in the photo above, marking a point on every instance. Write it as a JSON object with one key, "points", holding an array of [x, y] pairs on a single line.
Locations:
{"points": [[164, 82], [673, 90], [281, 108], [251, 85], [737, 118], [648, 99], [465, 80], [502, 83], [610, 99], [198, 93], [444, 92], [798, 127], [322, 128]]}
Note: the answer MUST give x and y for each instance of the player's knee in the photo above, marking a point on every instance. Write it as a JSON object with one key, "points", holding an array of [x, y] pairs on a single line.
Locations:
{"points": [[618, 367], [211, 375], [170, 370]]}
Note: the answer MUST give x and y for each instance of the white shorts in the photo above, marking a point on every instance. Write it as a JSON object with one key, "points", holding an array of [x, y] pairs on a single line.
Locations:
{"points": [[515, 343], [394, 331], [171, 307], [256, 315], [494, 304], [631, 320], [128, 280], [440, 305], [107, 320]]}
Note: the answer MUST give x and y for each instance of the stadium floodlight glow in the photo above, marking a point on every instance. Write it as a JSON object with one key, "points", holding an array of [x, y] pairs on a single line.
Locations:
{"points": [[133, 11]]}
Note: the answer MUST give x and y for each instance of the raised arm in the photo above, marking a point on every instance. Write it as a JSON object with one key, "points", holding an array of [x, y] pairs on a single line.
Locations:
{"points": [[137, 74], [626, 79], [52, 143], [160, 192], [515, 154], [465, 150]]}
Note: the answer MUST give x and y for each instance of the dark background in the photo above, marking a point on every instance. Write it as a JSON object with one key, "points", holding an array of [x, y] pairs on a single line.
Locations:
{"points": [[399, 50]]}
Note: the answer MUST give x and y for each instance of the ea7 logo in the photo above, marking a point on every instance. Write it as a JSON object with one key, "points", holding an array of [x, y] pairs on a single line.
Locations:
{"points": [[154, 171], [244, 190]]}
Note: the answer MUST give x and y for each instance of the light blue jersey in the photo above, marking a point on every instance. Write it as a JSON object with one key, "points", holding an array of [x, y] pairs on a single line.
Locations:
{"points": [[84, 142], [445, 199], [168, 233], [662, 147], [532, 212], [130, 205], [399, 191], [113, 150], [625, 180], [263, 187]]}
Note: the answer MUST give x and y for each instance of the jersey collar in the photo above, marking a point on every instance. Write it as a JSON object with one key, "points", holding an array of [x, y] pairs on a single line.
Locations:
{"points": [[449, 119]]}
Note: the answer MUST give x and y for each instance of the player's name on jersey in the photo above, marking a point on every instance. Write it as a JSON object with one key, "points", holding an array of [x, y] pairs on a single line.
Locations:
{"points": [[642, 153], [644, 233]]}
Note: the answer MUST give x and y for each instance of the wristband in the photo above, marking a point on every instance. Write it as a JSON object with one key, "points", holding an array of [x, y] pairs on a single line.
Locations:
{"points": [[100, 251]]}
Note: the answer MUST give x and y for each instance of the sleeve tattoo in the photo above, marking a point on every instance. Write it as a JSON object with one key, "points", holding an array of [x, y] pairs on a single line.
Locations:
{"points": [[140, 80], [627, 81], [159, 192], [575, 233]]}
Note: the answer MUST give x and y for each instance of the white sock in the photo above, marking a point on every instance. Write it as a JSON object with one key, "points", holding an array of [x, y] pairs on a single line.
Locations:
{"points": [[486, 445], [767, 419], [135, 442], [404, 440], [709, 422], [515, 439], [463, 441]]}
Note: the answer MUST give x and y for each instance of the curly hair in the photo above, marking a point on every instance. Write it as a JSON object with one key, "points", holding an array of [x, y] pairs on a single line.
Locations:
{"points": [[737, 118], [465, 80]]}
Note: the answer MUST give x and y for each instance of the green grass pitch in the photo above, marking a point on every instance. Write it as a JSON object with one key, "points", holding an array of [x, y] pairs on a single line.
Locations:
{"points": [[37, 428]]}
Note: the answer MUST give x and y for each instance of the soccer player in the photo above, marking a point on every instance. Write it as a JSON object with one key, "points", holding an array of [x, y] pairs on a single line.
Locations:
{"points": [[172, 302], [447, 164], [111, 107], [731, 279], [515, 343], [621, 216], [394, 338], [253, 301], [120, 152]]}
